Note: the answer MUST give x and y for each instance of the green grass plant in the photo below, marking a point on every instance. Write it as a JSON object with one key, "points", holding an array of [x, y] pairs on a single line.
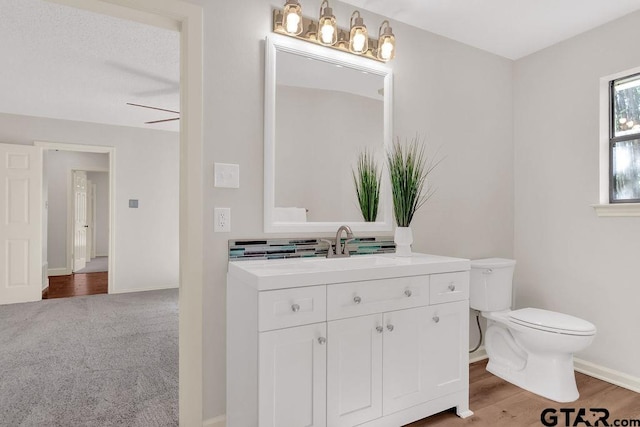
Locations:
{"points": [[408, 171], [367, 181]]}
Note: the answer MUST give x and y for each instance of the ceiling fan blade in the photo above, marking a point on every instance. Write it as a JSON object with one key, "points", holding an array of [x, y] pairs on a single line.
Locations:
{"points": [[160, 121], [153, 108]]}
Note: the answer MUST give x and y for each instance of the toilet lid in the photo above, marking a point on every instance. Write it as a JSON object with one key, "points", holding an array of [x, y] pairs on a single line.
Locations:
{"points": [[551, 321]]}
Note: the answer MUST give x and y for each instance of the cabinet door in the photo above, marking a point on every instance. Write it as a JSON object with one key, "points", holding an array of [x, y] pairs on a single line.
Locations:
{"points": [[407, 353], [354, 371], [449, 358], [292, 377]]}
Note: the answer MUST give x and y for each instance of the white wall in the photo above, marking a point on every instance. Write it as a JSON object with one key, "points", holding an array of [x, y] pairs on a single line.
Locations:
{"points": [[59, 166], [319, 136], [459, 97], [147, 165], [569, 259], [101, 236]]}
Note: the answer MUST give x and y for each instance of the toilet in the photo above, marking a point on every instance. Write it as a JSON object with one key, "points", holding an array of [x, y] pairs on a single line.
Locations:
{"points": [[529, 347]]}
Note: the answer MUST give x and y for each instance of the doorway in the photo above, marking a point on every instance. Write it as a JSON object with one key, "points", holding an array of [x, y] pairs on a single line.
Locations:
{"points": [[188, 19], [76, 205]]}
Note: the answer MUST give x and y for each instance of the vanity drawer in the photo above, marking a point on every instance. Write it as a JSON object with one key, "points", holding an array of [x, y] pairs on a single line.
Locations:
{"points": [[376, 296], [291, 307], [449, 287]]}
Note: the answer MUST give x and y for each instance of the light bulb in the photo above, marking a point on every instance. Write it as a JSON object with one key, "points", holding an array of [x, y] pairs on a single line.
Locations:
{"points": [[386, 50], [326, 34], [292, 23], [358, 41]]}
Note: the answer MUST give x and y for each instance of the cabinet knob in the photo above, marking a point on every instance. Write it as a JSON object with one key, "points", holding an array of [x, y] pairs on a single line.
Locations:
{"points": [[390, 327], [322, 340], [295, 308], [408, 292], [452, 287], [436, 319], [379, 329], [357, 299]]}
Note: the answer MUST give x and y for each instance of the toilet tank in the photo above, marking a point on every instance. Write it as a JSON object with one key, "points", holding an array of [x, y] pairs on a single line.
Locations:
{"points": [[491, 284]]}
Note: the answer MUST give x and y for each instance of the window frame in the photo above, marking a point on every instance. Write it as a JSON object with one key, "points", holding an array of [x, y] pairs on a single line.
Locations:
{"points": [[615, 139]]}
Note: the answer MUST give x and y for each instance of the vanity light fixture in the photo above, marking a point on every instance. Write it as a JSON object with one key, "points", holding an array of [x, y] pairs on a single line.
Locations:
{"points": [[327, 25], [386, 42], [358, 36], [290, 22]]}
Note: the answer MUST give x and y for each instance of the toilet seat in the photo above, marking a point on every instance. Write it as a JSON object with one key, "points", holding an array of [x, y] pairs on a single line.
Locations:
{"points": [[551, 321]]}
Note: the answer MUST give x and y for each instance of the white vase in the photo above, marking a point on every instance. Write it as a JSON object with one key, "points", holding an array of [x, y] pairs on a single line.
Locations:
{"points": [[403, 239]]}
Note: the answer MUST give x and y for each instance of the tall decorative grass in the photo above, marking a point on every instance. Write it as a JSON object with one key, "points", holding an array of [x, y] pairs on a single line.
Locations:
{"points": [[367, 182], [408, 170]]}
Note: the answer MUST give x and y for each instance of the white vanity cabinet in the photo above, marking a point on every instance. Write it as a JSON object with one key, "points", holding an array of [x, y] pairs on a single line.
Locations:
{"points": [[370, 347]]}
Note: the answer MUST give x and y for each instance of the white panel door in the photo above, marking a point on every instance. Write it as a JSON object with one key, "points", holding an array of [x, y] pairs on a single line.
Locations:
{"points": [[20, 223], [447, 325], [354, 371], [90, 216], [79, 220], [407, 354], [292, 377]]}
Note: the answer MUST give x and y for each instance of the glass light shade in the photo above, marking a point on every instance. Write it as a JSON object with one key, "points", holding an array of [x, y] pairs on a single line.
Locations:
{"points": [[386, 48], [292, 21], [358, 36], [386, 43], [328, 30]]}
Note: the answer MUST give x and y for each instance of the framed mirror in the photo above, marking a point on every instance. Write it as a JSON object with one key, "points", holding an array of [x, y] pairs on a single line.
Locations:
{"points": [[323, 108]]}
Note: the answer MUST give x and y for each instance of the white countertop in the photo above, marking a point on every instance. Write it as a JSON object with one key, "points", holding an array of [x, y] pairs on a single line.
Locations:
{"points": [[297, 272]]}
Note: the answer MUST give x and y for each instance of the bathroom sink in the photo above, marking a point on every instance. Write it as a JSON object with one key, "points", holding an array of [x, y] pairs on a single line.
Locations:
{"points": [[297, 272], [353, 262]]}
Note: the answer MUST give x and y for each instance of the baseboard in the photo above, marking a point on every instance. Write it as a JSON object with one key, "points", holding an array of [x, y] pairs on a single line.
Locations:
{"points": [[215, 422], [605, 374], [128, 291], [58, 272], [478, 355], [100, 255]]}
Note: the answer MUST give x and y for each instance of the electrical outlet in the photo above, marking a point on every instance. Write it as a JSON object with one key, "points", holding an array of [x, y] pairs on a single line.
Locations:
{"points": [[222, 218]]}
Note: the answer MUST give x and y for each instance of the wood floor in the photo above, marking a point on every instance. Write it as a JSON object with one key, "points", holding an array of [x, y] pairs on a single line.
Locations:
{"points": [[497, 403], [76, 285]]}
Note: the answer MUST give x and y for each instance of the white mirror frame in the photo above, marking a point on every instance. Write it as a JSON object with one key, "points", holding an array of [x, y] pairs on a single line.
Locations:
{"points": [[275, 43]]}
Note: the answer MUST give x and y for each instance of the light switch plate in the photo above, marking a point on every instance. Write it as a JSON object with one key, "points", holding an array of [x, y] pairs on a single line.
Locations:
{"points": [[226, 175]]}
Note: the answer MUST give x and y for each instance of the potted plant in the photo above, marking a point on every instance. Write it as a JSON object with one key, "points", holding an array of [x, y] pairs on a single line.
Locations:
{"points": [[367, 182], [408, 171]]}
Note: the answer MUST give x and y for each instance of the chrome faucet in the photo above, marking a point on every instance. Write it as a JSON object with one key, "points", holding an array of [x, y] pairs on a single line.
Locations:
{"points": [[339, 250]]}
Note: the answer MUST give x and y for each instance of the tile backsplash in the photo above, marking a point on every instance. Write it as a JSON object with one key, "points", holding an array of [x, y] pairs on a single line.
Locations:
{"points": [[304, 247]]}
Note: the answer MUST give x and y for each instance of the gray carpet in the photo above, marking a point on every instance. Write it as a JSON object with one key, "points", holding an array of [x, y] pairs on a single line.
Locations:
{"points": [[101, 360], [96, 265]]}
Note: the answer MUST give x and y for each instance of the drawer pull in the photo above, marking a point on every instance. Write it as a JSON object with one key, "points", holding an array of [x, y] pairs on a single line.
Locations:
{"points": [[390, 327], [436, 319], [452, 287], [295, 308], [408, 292], [357, 299], [322, 340], [379, 329]]}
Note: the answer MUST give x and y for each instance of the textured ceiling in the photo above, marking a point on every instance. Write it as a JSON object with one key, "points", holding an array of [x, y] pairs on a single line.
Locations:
{"points": [[66, 63], [509, 28]]}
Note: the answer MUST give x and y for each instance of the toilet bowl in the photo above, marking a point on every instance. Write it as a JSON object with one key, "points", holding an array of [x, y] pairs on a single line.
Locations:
{"points": [[529, 347]]}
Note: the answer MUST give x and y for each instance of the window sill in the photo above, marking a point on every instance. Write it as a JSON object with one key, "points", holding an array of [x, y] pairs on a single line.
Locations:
{"points": [[617, 209]]}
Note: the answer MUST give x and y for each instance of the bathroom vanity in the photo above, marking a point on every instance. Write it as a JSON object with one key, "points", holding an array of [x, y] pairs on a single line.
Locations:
{"points": [[362, 341]]}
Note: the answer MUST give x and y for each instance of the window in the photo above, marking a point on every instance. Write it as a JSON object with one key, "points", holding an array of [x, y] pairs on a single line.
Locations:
{"points": [[624, 140]]}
